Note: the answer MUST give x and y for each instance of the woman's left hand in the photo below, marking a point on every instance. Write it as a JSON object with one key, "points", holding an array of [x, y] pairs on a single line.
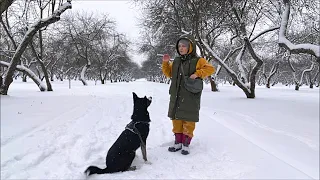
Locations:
{"points": [[193, 76]]}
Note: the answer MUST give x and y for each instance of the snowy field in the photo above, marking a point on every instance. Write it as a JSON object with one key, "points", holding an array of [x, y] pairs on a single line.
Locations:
{"points": [[57, 135]]}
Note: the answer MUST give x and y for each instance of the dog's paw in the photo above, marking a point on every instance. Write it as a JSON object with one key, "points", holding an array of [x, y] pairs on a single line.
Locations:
{"points": [[132, 168], [87, 172], [148, 162]]}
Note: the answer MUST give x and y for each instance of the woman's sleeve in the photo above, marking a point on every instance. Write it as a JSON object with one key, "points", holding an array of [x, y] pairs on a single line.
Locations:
{"points": [[167, 69], [204, 68]]}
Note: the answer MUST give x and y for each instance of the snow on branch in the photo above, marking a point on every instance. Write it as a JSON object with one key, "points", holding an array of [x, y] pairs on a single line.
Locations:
{"points": [[241, 66], [274, 69], [306, 71], [185, 32], [284, 42], [52, 19], [251, 40], [257, 65], [28, 37], [263, 32], [33, 76], [228, 69]]}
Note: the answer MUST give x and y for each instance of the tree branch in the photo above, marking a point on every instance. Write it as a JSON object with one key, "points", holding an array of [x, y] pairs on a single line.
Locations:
{"points": [[4, 5], [27, 39], [306, 71], [284, 42], [263, 32], [29, 73], [8, 33]]}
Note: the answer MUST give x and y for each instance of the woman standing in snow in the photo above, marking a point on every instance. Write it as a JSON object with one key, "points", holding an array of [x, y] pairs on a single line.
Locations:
{"points": [[184, 106]]}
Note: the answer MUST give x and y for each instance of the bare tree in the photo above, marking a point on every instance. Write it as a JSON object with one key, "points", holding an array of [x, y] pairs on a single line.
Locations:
{"points": [[212, 22], [247, 79], [84, 30], [306, 71], [303, 71], [7, 79], [116, 50], [273, 71], [43, 5]]}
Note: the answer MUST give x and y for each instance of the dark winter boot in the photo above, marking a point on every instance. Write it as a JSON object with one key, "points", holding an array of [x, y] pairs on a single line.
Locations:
{"points": [[177, 143], [185, 144]]}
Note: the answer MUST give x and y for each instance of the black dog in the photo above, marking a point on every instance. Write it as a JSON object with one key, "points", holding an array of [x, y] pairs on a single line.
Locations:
{"points": [[123, 151]]}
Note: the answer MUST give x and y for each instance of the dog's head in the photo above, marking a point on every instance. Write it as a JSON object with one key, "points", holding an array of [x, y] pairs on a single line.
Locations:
{"points": [[141, 104]]}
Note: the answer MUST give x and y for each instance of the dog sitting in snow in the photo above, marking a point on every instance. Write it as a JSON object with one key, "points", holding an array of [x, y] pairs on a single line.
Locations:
{"points": [[123, 151]]}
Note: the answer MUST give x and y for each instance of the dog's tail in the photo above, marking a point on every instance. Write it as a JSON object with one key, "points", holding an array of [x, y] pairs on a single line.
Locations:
{"points": [[95, 170]]}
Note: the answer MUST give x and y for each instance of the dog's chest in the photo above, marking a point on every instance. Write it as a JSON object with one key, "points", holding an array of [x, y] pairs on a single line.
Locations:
{"points": [[132, 126]]}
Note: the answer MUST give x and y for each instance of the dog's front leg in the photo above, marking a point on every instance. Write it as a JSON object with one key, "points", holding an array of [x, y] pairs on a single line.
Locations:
{"points": [[144, 151]]}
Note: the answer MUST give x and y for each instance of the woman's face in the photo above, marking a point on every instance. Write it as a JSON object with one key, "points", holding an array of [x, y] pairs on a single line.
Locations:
{"points": [[183, 49]]}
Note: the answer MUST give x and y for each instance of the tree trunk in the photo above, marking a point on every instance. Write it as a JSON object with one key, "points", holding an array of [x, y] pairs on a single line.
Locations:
{"points": [[214, 86], [268, 84], [51, 76], [38, 72], [272, 73], [83, 72], [311, 85], [40, 59], [4, 5], [24, 77], [27, 72], [313, 81], [58, 76], [293, 48], [46, 76], [23, 45], [43, 67]]}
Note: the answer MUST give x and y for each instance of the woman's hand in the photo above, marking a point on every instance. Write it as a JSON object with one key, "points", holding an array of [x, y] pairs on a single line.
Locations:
{"points": [[193, 76], [166, 58]]}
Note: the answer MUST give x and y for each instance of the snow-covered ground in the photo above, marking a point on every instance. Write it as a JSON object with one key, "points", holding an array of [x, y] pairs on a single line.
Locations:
{"points": [[56, 135]]}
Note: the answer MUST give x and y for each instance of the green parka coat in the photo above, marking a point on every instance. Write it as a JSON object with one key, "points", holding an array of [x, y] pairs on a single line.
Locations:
{"points": [[183, 104]]}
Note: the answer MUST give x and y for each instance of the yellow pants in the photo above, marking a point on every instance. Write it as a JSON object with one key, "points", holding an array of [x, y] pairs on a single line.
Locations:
{"points": [[185, 127]]}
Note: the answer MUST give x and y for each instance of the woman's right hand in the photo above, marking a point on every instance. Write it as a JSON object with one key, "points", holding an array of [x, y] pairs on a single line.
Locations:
{"points": [[165, 58]]}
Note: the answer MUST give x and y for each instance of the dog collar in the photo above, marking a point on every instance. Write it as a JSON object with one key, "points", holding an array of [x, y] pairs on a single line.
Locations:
{"points": [[132, 126]]}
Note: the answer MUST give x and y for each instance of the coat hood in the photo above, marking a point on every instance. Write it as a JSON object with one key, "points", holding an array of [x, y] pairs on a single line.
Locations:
{"points": [[192, 47]]}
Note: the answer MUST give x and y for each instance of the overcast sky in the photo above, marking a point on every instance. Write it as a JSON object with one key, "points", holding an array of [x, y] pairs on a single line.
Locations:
{"points": [[122, 11]]}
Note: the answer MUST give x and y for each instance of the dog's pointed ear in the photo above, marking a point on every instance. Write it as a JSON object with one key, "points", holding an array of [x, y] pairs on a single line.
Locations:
{"points": [[134, 95]]}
